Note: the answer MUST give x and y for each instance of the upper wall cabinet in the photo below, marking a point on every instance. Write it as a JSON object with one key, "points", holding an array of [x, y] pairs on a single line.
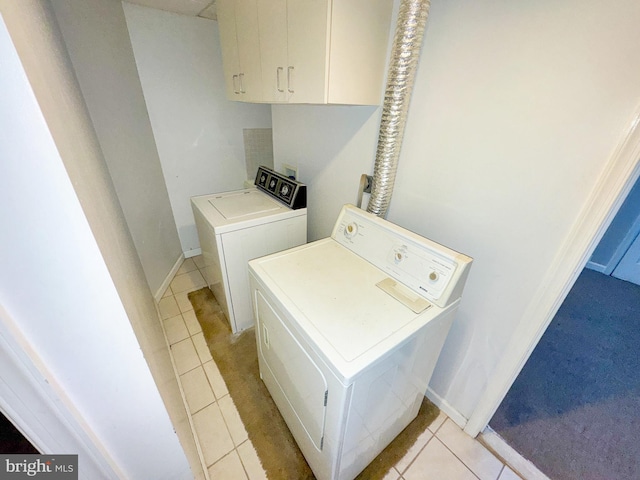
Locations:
{"points": [[239, 38], [306, 51]]}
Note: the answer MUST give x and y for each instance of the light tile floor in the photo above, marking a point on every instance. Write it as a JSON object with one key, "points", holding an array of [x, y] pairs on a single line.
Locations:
{"points": [[443, 451]]}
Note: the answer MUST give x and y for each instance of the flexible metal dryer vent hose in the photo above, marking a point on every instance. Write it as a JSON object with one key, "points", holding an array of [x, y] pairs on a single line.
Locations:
{"points": [[412, 18]]}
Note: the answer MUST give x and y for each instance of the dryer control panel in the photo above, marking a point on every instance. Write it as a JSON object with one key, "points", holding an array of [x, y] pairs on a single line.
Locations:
{"points": [[429, 269]]}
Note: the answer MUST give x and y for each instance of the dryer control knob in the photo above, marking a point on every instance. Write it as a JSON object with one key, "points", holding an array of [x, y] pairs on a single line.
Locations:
{"points": [[399, 254], [351, 230], [433, 276]]}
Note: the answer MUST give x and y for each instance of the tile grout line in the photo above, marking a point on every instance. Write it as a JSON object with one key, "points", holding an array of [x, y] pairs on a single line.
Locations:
{"points": [[179, 378], [246, 472], [433, 434], [183, 394], [226, 423], [459, 459], [216, 401], [416, 456], [191, 415], [247, 440]]}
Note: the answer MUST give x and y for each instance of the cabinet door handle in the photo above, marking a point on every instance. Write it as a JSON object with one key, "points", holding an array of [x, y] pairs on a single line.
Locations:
{"points": [[290, 79], [236, 90], [241, 76], [279, 70]]}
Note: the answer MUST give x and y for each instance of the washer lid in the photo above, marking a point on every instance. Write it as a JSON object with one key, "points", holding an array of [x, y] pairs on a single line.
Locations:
{"points": [[239, 209], [243, 203]]}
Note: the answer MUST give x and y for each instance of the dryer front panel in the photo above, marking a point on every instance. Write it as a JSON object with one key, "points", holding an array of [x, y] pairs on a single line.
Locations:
{"points": [[301, 386]]}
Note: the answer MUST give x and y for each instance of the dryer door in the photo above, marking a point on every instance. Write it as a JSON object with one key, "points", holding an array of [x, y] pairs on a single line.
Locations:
{"points": [[295, 382]]}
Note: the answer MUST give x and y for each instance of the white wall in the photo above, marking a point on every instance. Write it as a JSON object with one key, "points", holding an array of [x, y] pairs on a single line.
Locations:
{"points": [[332, 146], [96, 37], [54, 283], [515, 111], [198, 131]]}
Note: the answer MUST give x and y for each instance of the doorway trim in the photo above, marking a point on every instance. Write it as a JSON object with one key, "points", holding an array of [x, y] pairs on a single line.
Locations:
{"points": [[614, 183], [32, 399]]}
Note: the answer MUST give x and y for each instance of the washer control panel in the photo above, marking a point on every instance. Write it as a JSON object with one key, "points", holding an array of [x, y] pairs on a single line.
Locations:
{"points": [[293, 194], [426, 267]]}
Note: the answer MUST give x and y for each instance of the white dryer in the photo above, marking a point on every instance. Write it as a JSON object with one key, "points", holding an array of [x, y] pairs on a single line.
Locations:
{"points": [[235, 227], [348, 330]]}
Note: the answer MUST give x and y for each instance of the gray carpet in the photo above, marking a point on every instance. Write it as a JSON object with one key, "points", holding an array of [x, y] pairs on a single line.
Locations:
{"points": [[574, 410]]}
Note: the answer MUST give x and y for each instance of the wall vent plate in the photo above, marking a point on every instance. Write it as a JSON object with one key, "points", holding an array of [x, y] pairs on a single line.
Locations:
{"points": [[289, 171]]}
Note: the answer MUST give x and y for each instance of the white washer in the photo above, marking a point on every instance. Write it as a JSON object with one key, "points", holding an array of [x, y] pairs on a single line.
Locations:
{"points": [[348, 330], [235, 227]]}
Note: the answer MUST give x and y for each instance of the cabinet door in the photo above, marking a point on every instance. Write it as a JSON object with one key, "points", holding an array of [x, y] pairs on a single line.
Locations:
{"points": [[308, 50], [250, 77], [229, 45], [240, 42], [359, 43], [272, 21]]}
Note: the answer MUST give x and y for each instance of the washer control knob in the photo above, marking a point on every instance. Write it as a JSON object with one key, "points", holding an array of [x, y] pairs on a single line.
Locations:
{"points": [[433, 276], [351, 230]]}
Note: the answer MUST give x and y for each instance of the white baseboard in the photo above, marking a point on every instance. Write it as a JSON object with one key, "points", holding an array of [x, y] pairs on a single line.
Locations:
{"points": [[193, 253], [523, 467], [443, 405], [596, 267], [172, 273]]}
